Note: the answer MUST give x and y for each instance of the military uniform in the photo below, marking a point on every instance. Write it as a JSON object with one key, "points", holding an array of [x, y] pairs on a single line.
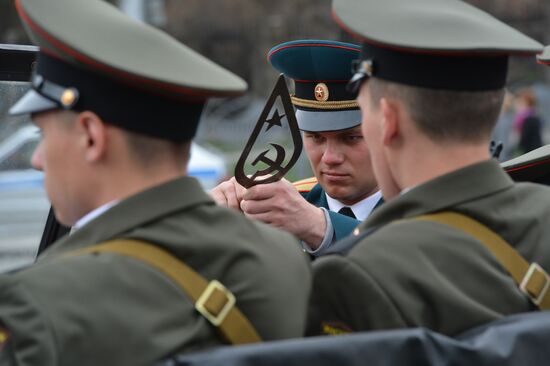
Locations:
{"points": [[320, 69], [315, 194], [106, 309], [78, 307], [407, 272], [532, 166]]}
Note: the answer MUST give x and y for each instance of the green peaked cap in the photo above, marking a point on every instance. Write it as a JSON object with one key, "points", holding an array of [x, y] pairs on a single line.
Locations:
{"points": [[448, 26], [95, 34], [94, 57], [435, 44]]}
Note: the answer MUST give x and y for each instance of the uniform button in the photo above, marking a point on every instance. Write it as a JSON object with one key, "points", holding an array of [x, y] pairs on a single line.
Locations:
{"points": [[356, 231]]}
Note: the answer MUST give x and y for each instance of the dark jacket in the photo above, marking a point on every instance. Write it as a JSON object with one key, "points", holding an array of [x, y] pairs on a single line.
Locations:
{"points": [[409, 273], [531, 134], [107, 309], [343, 225]]}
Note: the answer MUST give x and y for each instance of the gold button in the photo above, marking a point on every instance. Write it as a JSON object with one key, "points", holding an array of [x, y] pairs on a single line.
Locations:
{"points": [[68, 97], [366, 66]]}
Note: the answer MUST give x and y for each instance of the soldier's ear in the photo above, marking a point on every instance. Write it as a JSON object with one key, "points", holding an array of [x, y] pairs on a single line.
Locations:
{"points": [[390, 121], [93, 135]]}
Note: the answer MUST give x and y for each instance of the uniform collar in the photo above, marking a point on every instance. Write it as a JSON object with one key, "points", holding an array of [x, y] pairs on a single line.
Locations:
{"points": [[93, 214], [135, 211], [361, 209], [463, 185]]}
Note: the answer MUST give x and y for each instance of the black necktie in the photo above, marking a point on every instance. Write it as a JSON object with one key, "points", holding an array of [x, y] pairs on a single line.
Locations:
{"points": [[347, 211]]}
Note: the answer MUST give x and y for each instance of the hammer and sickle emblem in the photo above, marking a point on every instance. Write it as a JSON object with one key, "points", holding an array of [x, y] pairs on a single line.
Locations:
{"points": [[276, 168], [272, 165]]}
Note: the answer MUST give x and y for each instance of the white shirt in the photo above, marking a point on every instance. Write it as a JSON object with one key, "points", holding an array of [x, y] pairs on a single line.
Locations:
{"points": [[361, 209], [93, 214]]}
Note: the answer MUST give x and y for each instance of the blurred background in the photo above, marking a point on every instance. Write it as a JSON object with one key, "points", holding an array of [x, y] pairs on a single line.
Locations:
{"points": [[237, 34]]}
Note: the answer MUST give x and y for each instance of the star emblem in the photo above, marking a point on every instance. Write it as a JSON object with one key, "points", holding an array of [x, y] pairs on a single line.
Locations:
{"points": [[275, 120], [321, 92]]}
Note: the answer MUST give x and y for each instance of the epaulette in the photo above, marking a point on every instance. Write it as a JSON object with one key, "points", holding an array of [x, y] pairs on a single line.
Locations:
{"points": [[305, 185], [4, 337]]}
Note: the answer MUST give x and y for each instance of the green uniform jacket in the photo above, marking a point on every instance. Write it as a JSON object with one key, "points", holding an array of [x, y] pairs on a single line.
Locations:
{"points": [[414, 273], [106, 309], [343, 225]]}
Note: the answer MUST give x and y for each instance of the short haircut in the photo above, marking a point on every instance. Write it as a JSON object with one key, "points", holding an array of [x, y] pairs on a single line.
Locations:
{"points": [[152, 150], [445, 115]]}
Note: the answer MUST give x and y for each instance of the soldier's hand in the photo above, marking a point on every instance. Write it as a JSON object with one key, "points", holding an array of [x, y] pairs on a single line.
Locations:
{"points": [[228, 194], [279, 204]]}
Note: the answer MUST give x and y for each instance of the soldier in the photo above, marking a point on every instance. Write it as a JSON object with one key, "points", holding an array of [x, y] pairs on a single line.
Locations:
{"points": [[118, 103], [544, 58], [531, 167], [451, 247], [326, 208]]}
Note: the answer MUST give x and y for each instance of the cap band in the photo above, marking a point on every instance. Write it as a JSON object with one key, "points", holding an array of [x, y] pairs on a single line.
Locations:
{"points": [[121, 105], [449, 72], [336, 90], [338, 105], [325, 121]]}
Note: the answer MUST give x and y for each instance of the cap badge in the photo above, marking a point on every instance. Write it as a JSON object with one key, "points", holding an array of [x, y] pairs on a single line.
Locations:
{"points": [[361, 70], [68, 98], [366, 67], [321, 92]]}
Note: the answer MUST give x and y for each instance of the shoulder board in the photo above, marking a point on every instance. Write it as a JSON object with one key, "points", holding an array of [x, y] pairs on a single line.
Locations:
{"points": [[4, 337], [305, 185]]}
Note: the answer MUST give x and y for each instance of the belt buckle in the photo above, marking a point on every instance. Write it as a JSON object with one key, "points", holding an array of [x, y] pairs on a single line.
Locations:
{"points": [[534, 267], [215, 285]]}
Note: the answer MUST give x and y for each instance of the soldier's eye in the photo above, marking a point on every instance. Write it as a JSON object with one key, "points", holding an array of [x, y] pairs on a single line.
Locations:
{"points": [[314, 137], [353, 138]]}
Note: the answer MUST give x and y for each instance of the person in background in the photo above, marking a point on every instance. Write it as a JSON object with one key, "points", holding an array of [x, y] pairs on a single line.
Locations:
{"points": [[328, 207], [527, 123], [504, 129]]}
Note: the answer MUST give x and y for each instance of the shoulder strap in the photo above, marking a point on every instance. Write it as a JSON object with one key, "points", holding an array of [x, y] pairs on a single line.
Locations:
{"points": [[305, 185], [212, 299], [532, 279]]}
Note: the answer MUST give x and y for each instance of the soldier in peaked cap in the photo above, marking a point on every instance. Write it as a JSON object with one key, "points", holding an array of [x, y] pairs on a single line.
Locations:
{"points": [[544, 58], [326, 208], [118, 103], [457, 242], [533, 166]]}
